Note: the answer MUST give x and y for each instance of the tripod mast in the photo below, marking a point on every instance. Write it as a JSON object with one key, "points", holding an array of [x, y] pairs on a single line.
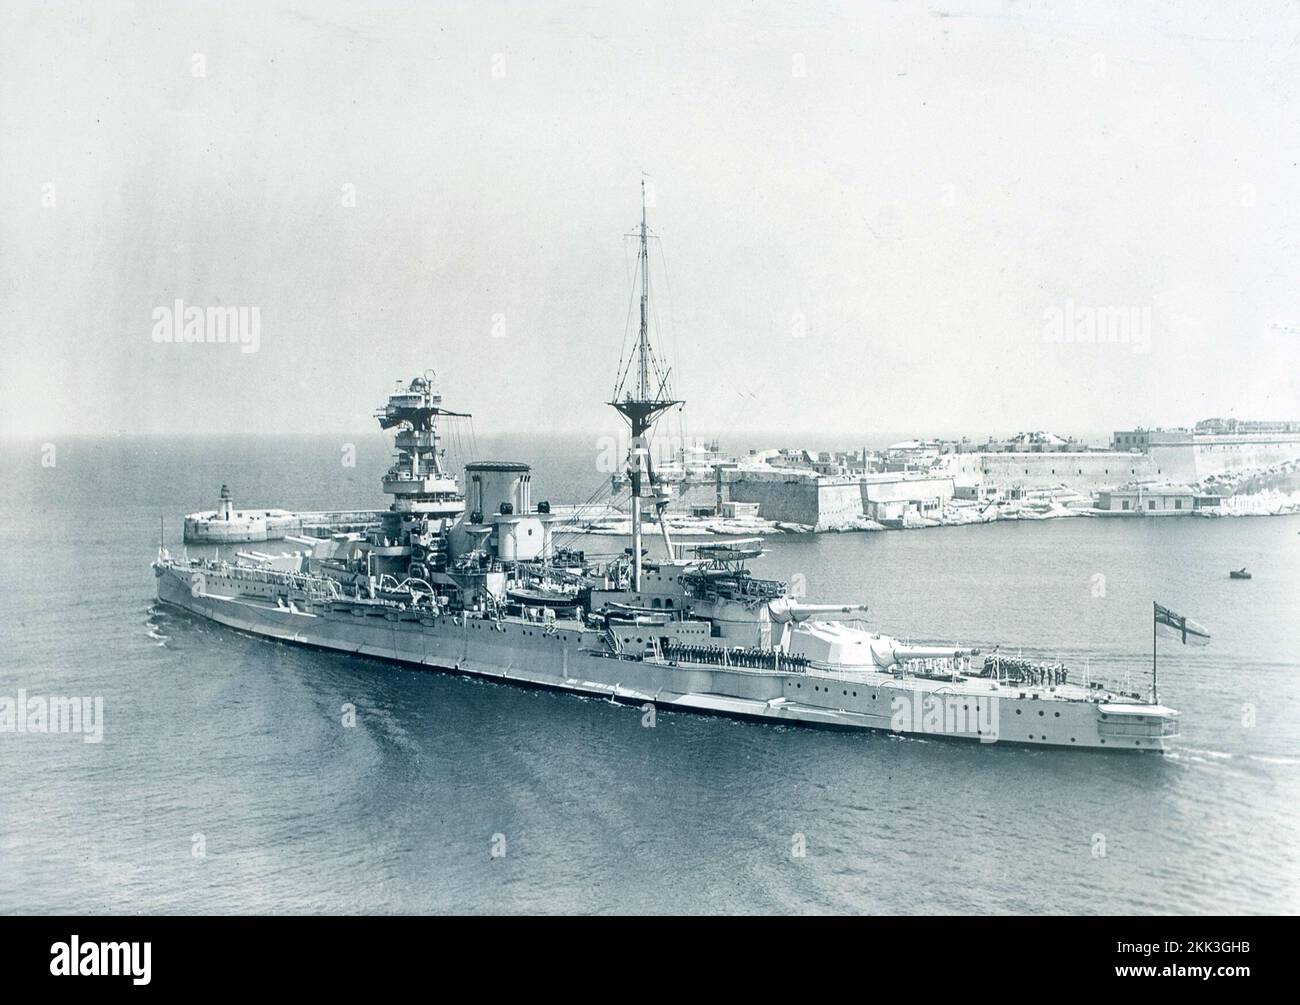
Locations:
{"points": [[642, 406]]}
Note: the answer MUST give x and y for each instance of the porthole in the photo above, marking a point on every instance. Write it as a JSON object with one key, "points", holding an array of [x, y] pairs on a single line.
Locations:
{"points": [[1040, 711], [1057, 714], [1017, 711]]}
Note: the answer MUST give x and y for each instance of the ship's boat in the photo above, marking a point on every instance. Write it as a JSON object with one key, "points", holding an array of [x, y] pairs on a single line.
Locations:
{"points": [[1238, 574], [541, 597]]}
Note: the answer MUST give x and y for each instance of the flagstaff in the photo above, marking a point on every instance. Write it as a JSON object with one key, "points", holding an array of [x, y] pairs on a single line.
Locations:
{"points": [[1155, 687], [1184, 629]]}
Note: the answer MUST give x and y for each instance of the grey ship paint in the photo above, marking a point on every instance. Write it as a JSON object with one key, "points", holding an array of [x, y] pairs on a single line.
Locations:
{"points": [[484, 589]]}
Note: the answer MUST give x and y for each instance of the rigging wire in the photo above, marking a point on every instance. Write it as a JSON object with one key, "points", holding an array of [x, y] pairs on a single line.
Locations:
{"points": [[564, 541], [672, 328], [626, 357], [661, 376], [581, 507], [620, 376], [567, 538]]}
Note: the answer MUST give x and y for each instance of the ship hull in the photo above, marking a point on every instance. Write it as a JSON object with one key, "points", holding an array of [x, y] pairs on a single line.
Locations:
{"points": [[574, 659]]}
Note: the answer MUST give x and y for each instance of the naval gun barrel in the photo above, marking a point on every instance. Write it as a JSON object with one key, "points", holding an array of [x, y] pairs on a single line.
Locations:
{"points": [[887, 652], [785, 609], [906, 652]]}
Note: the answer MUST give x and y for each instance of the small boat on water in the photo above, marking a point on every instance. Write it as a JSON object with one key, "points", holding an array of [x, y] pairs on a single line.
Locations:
{"points": [[1238, 574]]}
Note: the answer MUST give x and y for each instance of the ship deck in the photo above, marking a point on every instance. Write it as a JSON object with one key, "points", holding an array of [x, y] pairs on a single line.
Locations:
{"points": [[935, 684], [825, 674]]}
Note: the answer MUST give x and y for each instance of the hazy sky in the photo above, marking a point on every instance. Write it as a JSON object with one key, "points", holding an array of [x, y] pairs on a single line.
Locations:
{"points": [[870, 214]]}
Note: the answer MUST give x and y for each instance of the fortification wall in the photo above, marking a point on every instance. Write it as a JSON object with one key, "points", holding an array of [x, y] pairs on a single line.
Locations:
{"points": [[906, 488], [1176, 462], [1090, 470], [1214, 455], [795, 501], [831, 503], [838, 505], [796, 497]]}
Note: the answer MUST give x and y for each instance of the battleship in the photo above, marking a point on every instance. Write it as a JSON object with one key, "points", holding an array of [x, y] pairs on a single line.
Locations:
{"points": [[474, 578]]}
